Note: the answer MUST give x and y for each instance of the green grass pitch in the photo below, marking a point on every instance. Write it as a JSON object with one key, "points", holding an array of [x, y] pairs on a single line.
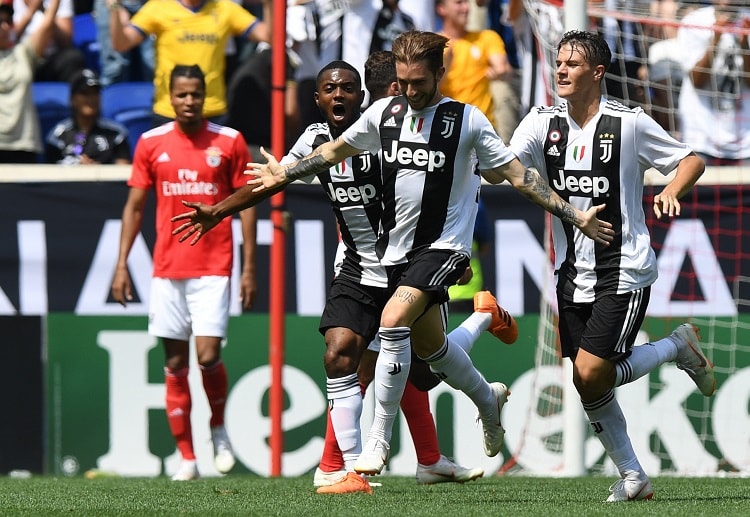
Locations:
{"points": [[249, 495]]}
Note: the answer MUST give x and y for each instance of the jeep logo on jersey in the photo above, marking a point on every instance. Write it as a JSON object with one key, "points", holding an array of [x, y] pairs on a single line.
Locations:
{"points": [[590, 186], [414, 156], [350, 195]]}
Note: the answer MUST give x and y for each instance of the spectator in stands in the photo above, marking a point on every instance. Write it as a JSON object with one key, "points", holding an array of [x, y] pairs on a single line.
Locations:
{"points": [[20, 141], [472, 59], [249, 101], [488, 14], [390, 22], [328, 30], [302, 31], [84, 137], [624, 79], [665, 63], [423, 14], [536, 61], [189, 31], [714, 102], [61, 59], [118, 66]]}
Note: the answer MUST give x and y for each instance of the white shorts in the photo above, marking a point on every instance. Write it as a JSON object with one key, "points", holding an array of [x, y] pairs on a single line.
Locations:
{"points": [[194, 306]]}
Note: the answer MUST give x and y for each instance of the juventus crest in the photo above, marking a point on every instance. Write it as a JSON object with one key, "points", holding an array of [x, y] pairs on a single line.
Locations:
{"points": [[448, 124], [605, 144]]}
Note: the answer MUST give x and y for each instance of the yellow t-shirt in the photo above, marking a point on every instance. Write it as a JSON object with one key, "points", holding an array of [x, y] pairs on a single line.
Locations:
{"points": [[187, 37], [466, 79]]}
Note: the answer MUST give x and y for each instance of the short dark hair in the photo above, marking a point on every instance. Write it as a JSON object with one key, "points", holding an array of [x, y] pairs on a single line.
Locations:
{"points": [[339, 65], [591, 45], [188, 71], [380, 73], [412, 46]]}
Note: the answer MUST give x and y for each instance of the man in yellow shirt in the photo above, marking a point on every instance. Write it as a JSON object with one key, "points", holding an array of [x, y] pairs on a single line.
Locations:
{"points": [[187, 32], [472, 59]]}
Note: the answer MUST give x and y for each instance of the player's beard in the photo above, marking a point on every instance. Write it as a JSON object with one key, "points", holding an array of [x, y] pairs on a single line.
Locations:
{"points": [[427, 98]]}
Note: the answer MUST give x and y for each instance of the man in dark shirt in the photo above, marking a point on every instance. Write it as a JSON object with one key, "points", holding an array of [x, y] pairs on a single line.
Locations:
{"points": [[84, 137]]}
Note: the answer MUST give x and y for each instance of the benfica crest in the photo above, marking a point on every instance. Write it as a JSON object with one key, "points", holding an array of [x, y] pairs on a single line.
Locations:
{"points": [[213, 156]]}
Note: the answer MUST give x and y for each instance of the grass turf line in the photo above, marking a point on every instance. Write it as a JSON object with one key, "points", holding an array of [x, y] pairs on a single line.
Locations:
{"points": [[399, 496]]}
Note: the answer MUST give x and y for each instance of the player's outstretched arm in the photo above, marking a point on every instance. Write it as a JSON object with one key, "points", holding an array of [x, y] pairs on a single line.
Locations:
{"points": [[272, 175], [531, 184], [202, 218]]}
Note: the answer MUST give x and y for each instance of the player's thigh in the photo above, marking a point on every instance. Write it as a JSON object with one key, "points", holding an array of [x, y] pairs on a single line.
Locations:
{"points": [[353, 306], [169, 316], [422, 283], [606, 328], [208, 303]]}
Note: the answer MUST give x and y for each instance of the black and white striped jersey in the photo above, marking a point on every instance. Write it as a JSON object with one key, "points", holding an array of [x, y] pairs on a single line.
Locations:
{"points": [[601, 163], [354, 187], [430, 175]]}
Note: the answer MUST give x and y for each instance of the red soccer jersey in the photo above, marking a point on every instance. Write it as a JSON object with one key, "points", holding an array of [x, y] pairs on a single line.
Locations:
{"points": [[205, 167]]}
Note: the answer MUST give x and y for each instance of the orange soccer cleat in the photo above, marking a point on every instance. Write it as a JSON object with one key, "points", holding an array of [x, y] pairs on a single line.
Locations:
{"points": [[350, 484], [503, 326]]}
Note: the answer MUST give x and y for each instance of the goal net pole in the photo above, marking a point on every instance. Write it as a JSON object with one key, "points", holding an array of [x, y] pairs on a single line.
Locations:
{"points": [[574, 430]]}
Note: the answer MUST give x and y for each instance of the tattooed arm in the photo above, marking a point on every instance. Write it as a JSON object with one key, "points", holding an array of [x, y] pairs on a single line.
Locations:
{"points": [[531, 184], [272, 174]]}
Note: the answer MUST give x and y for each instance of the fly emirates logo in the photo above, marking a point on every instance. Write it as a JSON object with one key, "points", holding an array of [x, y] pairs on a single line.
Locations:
{"points": [[188, 184]]}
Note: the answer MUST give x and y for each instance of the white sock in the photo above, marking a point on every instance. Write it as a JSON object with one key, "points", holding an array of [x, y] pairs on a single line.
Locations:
{"points": [[453, 365], [345, 401], [611, 428], [391, 374], [467, 333], [643, 359]]}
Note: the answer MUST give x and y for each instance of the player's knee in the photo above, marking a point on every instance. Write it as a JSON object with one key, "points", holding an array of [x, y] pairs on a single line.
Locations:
{"points": [[590, 383], [422, 377], [340, 362]]}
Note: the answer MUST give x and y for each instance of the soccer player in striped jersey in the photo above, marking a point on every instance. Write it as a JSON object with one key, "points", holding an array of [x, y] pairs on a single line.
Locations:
{"points": [[433, 152], [358, 294], [433, 467], [595, 151]]}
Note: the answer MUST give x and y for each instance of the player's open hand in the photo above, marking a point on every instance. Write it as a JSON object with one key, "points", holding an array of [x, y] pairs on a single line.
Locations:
{"points": [[596, 229], [266, 175], [197, 221], [665, 203]]}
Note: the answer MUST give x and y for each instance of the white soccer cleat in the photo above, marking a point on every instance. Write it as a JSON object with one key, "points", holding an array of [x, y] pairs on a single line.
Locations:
{"points": [[494, 434], [446, 471], [323, 478], [373, 457], [690, 358], [223, 453], [631, 488], [187, 471]]}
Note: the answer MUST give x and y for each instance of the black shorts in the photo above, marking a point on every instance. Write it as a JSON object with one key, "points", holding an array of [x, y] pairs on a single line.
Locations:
{"points": [[354, 306], [430, 270], [606, 328]]}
